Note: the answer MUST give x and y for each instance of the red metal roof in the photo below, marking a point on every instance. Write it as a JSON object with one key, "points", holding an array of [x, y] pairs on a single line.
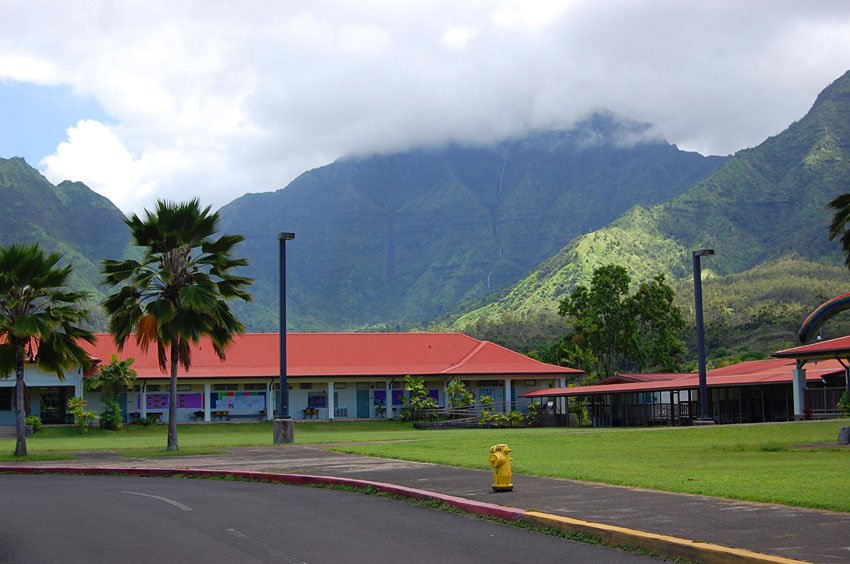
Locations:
{"points": [[256, 355], [831, 348], [772, 371], [625, 377]]}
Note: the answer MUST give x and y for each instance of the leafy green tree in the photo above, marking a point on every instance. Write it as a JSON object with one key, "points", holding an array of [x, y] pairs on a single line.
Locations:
{"points": [[40, 320], [611, 330], [656, 340], [601, 318], [178, 292], [112, 379]]}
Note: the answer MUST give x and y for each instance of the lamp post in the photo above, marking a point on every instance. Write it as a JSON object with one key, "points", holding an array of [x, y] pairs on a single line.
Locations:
{"points": [[704, 407], [284, 426]]}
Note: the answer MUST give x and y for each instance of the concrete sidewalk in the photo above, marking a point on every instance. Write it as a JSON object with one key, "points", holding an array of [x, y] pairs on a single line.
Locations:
{"points": [[804, 534]]}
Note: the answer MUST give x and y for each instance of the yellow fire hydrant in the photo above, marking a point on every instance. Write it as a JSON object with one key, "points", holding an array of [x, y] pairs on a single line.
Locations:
{"points": [[501, 463]]}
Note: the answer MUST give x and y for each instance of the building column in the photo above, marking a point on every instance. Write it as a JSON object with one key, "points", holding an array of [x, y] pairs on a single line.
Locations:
{"points": [[331, 405], [508, 403], [78, 385], [389, 402], [207, 402], [144, 402], [562, 401], [799, 388], [269, 402]]}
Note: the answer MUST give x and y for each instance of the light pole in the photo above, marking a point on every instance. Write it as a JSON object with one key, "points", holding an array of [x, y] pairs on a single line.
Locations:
{"points": [[704, 407], [284, 426]]}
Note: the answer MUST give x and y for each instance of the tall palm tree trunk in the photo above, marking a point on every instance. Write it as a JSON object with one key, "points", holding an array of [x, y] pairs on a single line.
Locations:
{"points": [[20, 413], [172, 399]]}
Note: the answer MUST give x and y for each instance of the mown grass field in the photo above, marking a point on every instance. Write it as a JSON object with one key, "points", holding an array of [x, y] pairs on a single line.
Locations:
{"points": [[788, 463]]}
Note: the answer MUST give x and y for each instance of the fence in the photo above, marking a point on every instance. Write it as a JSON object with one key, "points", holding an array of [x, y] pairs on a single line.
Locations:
{"points": [[823, 400]]}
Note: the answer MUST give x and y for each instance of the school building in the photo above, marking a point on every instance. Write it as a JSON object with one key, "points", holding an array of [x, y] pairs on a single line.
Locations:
{"points": [[329, 376]]}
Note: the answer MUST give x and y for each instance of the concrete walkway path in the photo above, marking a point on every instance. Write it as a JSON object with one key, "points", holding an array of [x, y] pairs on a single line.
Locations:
{"points": [[804, 534]]}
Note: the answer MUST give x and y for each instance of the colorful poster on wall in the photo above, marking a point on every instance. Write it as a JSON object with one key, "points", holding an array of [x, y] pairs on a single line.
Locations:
{"points": [[156, 401]]}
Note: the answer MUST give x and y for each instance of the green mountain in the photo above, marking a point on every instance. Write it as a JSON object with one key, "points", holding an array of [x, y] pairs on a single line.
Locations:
{"points": [[764, 205], [395, 240], [68, 218]]}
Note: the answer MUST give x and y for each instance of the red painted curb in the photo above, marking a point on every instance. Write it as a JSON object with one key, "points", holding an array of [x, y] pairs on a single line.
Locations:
{"points": [[469, 506]]}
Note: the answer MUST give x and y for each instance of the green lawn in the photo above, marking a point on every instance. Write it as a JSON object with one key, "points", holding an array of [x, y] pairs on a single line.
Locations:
{"points": [[773, 462], [752, 462]]}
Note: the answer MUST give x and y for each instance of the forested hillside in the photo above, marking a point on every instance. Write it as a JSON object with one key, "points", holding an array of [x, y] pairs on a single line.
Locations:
{"points": [[392, 241], [68, 218], [764, 205]]}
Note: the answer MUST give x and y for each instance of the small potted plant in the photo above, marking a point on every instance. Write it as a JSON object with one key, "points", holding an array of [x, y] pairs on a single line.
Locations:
{"points": [[380, 409]]}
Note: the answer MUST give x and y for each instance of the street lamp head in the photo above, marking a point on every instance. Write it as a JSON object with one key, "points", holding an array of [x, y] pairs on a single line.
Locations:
{"points": [[704, 253], [291, 236]]}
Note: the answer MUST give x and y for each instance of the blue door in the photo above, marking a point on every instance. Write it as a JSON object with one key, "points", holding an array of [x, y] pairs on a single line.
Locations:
{"points": [[363, 404]]}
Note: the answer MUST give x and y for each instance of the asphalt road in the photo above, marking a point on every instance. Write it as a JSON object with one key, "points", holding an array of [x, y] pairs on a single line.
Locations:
{"points": [[116, 519]]}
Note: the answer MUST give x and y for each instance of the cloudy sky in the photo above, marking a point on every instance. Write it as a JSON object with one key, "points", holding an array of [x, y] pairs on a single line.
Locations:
{"points": [[170, 99]]}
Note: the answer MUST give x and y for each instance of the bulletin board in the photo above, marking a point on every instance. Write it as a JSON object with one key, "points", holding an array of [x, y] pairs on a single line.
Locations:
{"points": [[239, 401]]}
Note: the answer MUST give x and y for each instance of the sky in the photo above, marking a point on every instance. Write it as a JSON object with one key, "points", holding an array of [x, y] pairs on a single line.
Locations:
{"points": [[148, 99]]}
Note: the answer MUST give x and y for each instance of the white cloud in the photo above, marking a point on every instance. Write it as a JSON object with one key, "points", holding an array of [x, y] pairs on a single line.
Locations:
{"points": [[93, 152], [23, 68], [215, 99], [458, 36]]}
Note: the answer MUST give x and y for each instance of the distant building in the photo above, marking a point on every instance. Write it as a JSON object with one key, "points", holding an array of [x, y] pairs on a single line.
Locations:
{"points": [[748, 392]]}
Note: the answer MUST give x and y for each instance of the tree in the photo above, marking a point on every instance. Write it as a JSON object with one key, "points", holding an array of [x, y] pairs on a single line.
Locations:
{"points": [[601, 318], [840, 219], [40, 321], [178, 292], [657, 338], [611, 330], [111, 380]]}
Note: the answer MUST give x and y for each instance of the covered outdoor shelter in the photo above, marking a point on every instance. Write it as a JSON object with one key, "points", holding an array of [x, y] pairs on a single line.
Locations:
{"points": [[747, 392], [809, 355]]}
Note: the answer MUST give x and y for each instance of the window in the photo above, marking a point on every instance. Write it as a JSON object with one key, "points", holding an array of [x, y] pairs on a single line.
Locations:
{"points": [[317, 400], [6, 399], [362, 385], [184, 387], [306, 386], [225, 387], [339, 386], [261, 387], [529, 383], [153, 388]]}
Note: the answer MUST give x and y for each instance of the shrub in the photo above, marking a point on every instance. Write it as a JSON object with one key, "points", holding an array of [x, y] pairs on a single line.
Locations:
{"points": [[533, 416], [35, 422], [82, 416], [111, 417], [843, 405]]}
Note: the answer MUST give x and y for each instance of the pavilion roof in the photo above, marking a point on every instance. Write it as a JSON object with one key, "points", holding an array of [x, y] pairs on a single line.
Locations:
{"points": [[770, 371]]}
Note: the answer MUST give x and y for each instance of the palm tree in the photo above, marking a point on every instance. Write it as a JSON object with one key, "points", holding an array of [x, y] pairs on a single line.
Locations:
{"points": [[840, 219], [39, 319], [111, 380], [178, 292]]}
